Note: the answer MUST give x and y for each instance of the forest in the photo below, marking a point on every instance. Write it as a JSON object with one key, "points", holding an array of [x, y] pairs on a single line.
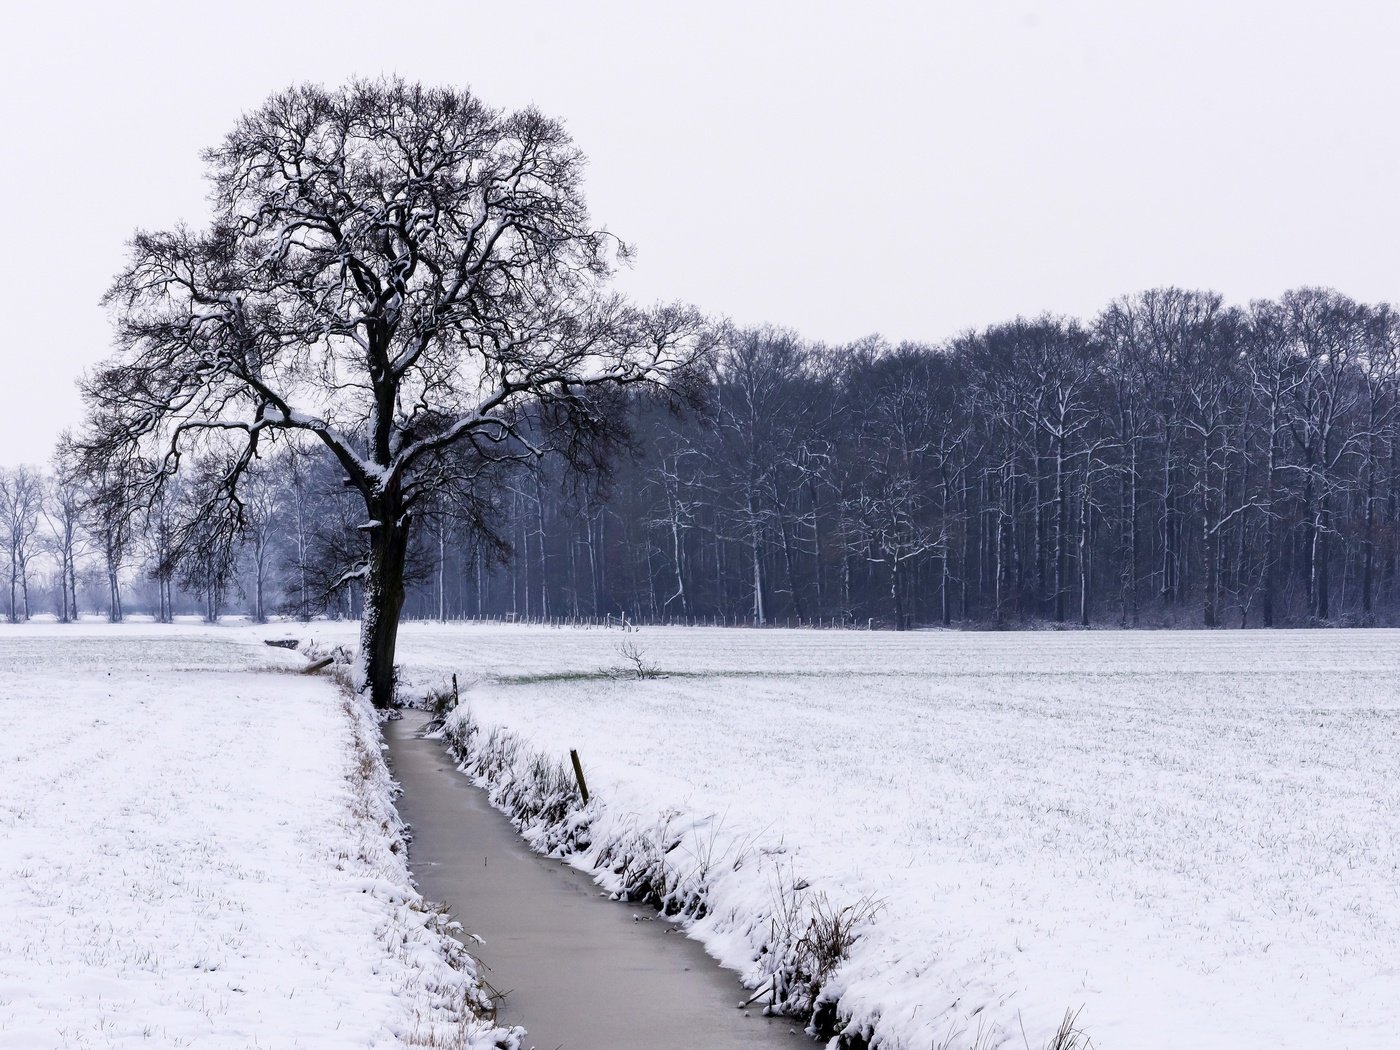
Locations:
{"points": [[1175, 461]]}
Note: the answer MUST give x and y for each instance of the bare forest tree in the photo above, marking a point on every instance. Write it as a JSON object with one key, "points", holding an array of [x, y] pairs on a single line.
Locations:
{"points": [[262, 523], [21, 496], [62, 509]]}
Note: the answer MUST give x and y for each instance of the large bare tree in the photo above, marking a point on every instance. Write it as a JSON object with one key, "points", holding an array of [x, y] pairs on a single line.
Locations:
{"points": [[391, 270]]}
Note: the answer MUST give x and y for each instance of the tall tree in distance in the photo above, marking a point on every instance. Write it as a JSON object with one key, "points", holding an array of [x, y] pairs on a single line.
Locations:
{"points": [[63, 512], [393, 271], [21, 495]]}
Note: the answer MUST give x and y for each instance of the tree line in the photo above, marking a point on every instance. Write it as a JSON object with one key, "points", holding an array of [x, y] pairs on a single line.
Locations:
{"points": [[1175, 461]]}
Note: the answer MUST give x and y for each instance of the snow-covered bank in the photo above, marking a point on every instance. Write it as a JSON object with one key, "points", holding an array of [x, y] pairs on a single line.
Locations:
{"points": [[1189, 835], [785, 940], [199, 851]]}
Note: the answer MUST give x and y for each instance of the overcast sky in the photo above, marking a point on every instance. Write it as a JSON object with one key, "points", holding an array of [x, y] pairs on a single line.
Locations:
{"points": [[912, 168]]}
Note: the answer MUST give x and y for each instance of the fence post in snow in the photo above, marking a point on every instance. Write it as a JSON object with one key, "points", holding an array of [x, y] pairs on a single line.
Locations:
{"points": [[578, 774]]}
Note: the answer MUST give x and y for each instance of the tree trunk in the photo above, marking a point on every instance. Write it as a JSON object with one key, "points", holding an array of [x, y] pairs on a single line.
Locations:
{"points": [[1270, 530], [63, 586], [794, 595], [260, 583], [678, 559], [544, 557], [1085, 547], [1392, 513], [1208, 545], [383, 605], [1321, 559], [1038, 528], [1241, 551], [114, 609], [1132, 524], [442, 570], [945, 610], [896, 593], [479, 562], [1369, 537], [756, 557], [1307, 551], [1061, 527], [1167, 564], [818, 559]]}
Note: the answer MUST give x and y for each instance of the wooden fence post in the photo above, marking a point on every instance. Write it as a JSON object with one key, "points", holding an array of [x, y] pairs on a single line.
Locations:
{"points": [[578, 775]]}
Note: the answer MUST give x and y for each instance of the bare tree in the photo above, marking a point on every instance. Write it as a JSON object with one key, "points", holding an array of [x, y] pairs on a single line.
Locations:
{"points": [[21, 501], [62, 509], [160, 548], [757, 400], [296, 493], [1325, 331], [1380, 371], [391, 270], [262, 524], [108, 512]]}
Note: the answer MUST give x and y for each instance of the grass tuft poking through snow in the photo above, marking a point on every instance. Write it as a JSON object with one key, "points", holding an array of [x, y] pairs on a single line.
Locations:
{"points": [[1069, 1036]]}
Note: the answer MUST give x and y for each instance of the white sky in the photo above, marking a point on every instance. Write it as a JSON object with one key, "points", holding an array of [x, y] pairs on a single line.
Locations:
{"points": [[913, 168]]}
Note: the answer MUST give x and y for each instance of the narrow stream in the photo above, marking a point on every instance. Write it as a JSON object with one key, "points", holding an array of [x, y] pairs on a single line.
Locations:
{"points": [[580, 972]]}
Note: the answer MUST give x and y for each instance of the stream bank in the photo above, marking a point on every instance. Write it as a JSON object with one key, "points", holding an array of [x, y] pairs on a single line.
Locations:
{"points": [[578, 971]]}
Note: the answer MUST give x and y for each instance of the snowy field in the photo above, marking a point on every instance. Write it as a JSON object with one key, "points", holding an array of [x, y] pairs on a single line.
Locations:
{"points": [[1191, 837], [199, 851], [1188, 837]]}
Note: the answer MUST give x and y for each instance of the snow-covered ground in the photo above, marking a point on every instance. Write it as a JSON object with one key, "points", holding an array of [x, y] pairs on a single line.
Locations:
{"points": [[196, 850], [1192, 837]]}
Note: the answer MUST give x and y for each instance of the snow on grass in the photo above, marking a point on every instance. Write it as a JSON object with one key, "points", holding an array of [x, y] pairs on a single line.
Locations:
{"points": [[199, 851], [1191, 837]]}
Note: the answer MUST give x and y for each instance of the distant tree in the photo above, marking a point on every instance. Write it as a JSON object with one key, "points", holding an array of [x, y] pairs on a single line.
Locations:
{"points": [[391, 270], [1326, 334], [1272, 374], [901, 431], [108, 511], [754, 424], [21, 501], [160, 548], [63, 512], [1380, 373], [296, 497], [262, 525]]}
